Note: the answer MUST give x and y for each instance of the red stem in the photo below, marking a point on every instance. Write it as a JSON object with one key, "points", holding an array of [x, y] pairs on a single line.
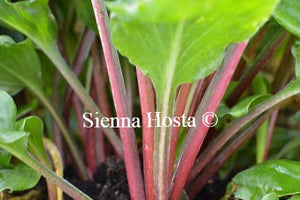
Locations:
{"points": [[131, 156], [129, 85], [102, 100], [100, 82], [78, 112], [271, 129], [250, 52], [230, 131], [82, 131], [179, 110], [83, 50], [90, 139], [147, 99], [283, 74], [90, 151], [214, 165], [258, 64], [211, 101], [196, 98], [100, 146], [201, 88], [78, 62]]}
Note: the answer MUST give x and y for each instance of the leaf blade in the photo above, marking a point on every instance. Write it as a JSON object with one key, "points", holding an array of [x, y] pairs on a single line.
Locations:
{"points": [[202, 44], [19, 65], [280, 177], [34, 126], [287, 15], [15, 177], [8, 112], [33, 18]]}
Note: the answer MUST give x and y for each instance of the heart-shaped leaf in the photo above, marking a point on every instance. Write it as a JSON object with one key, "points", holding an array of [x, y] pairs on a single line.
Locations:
{"points": [[33, 18], [280, 177], [287, 14], [188, 49], [19, 65]]}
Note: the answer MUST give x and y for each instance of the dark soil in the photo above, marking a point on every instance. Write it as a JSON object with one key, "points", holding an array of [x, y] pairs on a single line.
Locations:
{"points": [[110, 182], [215, 189]]}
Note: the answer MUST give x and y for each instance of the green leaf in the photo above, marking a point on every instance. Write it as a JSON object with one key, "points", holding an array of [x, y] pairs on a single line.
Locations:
{"points": [[295, 197], [19, 65], [280, 177], [296, 54], [4, 157], [17, 177], [188, 50], [16, 142], [33, 18], [287, 14], [35, 127], [11, 136], [155, 10], [21, 129], [7, 111], [260, 84], [48, 73], [293, 144], [243, 107], [25, 69], [280, 144], [270, 196], [85, 12], [226, 115]]}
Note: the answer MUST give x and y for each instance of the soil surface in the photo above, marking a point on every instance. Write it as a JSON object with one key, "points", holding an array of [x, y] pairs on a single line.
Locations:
{"points": [[110, 182], [215, 189]]}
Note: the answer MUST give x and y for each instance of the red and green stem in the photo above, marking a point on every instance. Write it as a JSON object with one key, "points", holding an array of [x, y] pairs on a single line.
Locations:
{"points": [[196, 136], [131, 157], [147, 99]]}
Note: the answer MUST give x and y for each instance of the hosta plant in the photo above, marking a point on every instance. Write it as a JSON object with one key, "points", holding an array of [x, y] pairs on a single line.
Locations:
{"points": [[202, 87]]}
